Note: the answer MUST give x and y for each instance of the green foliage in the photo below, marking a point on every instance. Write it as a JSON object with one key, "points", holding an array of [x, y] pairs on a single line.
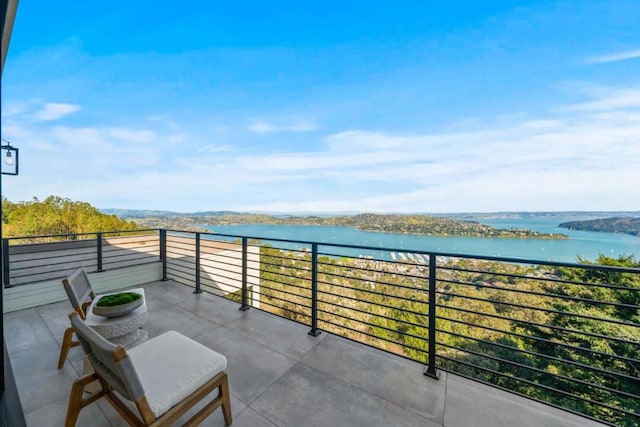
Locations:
{"points": [[608, 225], [57, 215], [234, 296], [285, 283], [7, 208], [118, 299], [612, 330]]}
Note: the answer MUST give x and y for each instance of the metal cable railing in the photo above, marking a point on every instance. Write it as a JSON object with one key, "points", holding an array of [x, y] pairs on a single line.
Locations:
{"points": [[564, 334], [48, 257]]}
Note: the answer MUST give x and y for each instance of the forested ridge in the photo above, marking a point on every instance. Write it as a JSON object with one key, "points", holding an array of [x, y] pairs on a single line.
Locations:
{"points": [[57, 215], [608, 225], [391, 223]]}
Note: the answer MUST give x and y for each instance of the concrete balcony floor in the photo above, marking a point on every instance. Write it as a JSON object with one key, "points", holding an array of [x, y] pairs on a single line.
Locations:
{"points": [[278, 375]]}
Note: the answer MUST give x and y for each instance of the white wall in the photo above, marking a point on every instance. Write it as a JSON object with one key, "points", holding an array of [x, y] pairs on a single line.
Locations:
{"points": [[220, 265]]}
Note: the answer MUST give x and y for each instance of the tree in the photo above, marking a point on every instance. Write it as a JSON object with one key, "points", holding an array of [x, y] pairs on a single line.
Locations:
{"points": [[57, 215]]}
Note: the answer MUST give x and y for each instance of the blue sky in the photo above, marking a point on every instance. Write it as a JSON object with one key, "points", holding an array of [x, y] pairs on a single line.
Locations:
{"points": [[327, 106]]}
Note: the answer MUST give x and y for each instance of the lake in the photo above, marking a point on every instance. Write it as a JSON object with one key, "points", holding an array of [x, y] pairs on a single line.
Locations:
{"points": [[584, 243]]}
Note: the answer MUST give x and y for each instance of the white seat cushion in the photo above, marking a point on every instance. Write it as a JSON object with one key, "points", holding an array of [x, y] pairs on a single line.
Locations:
{"points": [[171, 367]]}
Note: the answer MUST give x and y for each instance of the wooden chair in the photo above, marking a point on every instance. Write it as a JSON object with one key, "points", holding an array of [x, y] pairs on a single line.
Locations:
{"points": [[164, 377], [80, 293]]}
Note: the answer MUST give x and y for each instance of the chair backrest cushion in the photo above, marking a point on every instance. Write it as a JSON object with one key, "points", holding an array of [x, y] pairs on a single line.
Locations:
{"points": [[121, 375], [77, 287]]}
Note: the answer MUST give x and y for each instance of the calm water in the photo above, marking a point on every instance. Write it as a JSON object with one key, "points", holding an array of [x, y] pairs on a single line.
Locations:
{"points": [[586, 244]]}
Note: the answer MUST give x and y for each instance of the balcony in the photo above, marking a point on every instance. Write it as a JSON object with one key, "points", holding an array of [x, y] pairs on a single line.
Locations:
{"points": [[372, 364]]}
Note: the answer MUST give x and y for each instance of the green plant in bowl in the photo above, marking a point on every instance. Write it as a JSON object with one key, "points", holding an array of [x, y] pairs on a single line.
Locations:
{"points": [[118, 299], [116, 305]]}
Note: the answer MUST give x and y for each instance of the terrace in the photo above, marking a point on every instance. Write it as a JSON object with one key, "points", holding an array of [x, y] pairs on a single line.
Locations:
{"points": [[262, 303], [317, 335]]}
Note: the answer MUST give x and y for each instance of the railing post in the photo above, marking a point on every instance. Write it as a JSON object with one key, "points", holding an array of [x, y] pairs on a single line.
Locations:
{"points": [[431, 367], [5, 265], [163, 253], [314, 291], [198, 290], [99, 250], [245, 290]]}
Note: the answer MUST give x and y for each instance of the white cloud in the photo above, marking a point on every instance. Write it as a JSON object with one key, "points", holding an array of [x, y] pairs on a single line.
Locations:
{"points": [[262, 126], [176, 138], [587, 160], [135, 136], [614, 57], [14, 108], [211, 148], [572, 158], [85, 136], [613, 99], [54, 111]]}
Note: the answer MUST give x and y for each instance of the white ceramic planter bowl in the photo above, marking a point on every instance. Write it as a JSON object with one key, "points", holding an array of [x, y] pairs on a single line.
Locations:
{"points": [[117, 310]]}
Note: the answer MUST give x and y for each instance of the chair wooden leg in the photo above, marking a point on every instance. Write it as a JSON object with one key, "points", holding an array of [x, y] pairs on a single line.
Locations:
{"points": [[67, 343], [217, 384], [124, 411], [226, 401], [76, 402]]}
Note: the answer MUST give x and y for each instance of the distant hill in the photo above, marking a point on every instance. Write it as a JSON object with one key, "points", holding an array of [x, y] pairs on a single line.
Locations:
{"points": [[608, 225], [407, 224], [143, 213], [575, 215]]}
